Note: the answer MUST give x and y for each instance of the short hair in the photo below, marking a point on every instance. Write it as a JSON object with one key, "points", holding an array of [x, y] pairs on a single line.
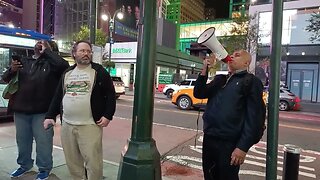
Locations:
{"points": [[54, 46], [45, 43], [75, 46]]}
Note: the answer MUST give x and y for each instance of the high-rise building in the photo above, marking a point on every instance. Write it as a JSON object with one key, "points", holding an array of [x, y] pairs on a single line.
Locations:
{"points": [[32, 15], [258, 2], [162, 8], [299, 62], [184, 11], [48, 17], [209, 13], [11, 12], [237, 8], [69, 17], [38, 15]]}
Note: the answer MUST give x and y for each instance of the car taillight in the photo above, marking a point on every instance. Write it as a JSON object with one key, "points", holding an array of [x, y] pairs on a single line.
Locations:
{"points": [[290, 94]]}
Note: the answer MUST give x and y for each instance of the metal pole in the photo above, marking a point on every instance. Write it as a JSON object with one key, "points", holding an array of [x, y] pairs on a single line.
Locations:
{"points": [[93, 21], [273, 105], [111, 25], [111, 28], [291, 162], [142, 159]]}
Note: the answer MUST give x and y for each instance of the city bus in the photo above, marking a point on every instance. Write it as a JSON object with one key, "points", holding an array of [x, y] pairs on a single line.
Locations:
{"points": [[15, 41]]}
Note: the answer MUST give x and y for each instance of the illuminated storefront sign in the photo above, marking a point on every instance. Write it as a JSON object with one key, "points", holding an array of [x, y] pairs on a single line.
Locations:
{"points": [[126, 50], [18, 41]]}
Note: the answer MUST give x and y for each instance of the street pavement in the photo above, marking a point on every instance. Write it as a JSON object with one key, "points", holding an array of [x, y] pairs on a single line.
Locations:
{"points": [[173, 143]]}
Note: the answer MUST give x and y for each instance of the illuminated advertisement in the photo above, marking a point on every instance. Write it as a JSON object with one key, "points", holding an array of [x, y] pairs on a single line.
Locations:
{"points": [[131, 11], [128, 26]]}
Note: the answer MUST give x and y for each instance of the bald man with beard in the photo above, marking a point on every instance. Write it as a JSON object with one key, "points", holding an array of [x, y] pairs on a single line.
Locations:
{"points": [[231, 117]]}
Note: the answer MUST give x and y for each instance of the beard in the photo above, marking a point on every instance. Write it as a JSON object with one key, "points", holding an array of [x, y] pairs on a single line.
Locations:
{"points": [[84, 60]]}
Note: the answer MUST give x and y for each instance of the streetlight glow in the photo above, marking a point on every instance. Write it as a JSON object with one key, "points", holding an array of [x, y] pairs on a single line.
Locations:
{"points": [[120, 15], [104, 17], [111, 19]]}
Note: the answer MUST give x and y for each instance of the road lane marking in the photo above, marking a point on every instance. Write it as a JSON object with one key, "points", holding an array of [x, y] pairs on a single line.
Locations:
{"points": [[167, 110], [166, 125], [196, 114], [258, 159], [185, 160], [303, 158], [306, 159], [256, 173], [303, 128]]}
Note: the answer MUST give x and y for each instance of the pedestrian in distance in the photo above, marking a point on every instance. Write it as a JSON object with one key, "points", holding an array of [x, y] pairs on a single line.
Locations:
{"points": [[86, 100], [232, 115], [38, 78]]}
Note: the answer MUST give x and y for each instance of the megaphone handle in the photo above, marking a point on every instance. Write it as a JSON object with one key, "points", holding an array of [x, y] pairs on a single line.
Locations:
{"points": [[207, 71]]}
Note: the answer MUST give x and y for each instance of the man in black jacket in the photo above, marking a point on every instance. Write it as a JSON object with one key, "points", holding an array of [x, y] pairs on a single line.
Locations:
{"points": [[231, 119], [86, 100], [38, 78]]}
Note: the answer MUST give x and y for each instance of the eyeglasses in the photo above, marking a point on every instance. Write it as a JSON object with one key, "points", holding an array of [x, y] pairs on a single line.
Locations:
{"points": [[85, 51]]}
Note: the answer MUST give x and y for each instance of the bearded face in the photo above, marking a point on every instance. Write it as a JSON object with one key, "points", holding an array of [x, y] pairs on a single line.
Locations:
{"points": [[83, 54]]}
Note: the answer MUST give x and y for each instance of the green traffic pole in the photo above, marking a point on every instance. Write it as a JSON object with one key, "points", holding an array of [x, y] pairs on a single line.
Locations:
{"points": [[273, 105], [93, 21], [141, 160]]}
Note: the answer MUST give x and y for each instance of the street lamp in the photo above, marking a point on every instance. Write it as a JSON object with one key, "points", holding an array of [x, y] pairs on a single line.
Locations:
{"points": [[107, 16]]}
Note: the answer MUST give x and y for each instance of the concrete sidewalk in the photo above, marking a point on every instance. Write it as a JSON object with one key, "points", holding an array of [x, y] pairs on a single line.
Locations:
{"points": [[115, 138]]}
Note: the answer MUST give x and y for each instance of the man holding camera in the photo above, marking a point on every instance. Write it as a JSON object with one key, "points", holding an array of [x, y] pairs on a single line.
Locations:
{"points": [[38, 78], [231, 119]]}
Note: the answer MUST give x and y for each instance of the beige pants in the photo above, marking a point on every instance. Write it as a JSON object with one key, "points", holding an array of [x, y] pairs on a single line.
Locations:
{"points": [[82, 147]]}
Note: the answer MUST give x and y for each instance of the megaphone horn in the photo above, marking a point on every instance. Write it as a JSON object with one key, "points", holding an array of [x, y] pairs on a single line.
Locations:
{"points": [[208, 39]]}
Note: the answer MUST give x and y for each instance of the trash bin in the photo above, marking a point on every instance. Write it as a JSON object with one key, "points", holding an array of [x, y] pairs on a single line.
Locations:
{"points": [[291, 162]]}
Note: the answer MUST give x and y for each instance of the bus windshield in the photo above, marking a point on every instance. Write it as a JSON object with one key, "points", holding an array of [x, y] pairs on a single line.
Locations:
{"points": [[16, 41]]}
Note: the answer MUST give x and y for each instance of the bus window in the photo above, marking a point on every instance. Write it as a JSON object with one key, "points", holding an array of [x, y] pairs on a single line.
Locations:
{"points": [[4, 59]]}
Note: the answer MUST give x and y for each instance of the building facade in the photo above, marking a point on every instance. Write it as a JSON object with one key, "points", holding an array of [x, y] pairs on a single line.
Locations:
{"points": [[300, 61], [11, 13], [209, 14], [184, 11], [32, 15], [48, 17]]}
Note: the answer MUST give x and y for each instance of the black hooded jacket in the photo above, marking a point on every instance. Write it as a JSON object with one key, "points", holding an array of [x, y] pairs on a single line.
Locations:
{"points": [[231, 114], [37, 82], [103, 96]]}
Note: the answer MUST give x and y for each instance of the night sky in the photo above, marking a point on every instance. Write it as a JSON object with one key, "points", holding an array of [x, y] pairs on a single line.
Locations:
{"points": [[221, 6]]}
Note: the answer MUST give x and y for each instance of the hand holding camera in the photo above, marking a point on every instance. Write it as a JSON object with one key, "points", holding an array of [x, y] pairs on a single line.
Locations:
{"points": [[16, 63]]}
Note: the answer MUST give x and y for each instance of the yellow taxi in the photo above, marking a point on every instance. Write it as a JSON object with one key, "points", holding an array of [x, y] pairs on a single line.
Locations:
{"points": [[185, 100]]}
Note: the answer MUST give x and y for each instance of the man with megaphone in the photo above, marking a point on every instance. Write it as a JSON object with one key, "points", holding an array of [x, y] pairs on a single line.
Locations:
{"points": [[231, 124]]}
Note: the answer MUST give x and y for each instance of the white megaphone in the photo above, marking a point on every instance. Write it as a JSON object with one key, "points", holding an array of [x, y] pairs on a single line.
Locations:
{"points": [[207, 38]]}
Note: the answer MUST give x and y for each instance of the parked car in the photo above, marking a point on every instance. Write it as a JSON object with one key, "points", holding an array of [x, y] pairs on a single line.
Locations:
{"points": [[185, 100], [118, 86], [170, 88], [287, 100]]}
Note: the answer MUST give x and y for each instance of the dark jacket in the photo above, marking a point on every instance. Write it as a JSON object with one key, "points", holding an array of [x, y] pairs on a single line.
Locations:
{"points": [[103, 96], [37, 82], [231, 114]]}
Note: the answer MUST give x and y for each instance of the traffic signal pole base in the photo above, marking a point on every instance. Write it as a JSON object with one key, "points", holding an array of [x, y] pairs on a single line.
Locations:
{"points": [[140, 161]]}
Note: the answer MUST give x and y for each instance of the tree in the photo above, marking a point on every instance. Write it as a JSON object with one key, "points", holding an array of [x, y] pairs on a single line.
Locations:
{"points": [[84, 32], [243, 35], [313, 27]]}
